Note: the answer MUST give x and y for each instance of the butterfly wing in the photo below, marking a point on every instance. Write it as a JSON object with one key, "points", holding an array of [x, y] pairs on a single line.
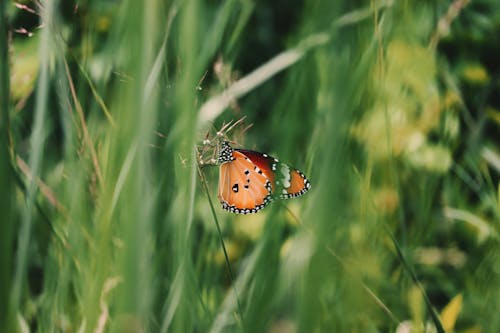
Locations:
{"points": [[286, 182], [243, 186], [295, 183], [267, 164]]}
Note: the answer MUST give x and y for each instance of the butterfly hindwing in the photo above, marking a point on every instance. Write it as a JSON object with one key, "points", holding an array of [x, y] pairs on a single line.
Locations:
{"points": [[295, 184]]}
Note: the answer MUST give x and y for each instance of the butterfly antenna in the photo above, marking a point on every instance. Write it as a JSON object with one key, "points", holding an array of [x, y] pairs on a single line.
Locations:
{"points": [[226, 257]]}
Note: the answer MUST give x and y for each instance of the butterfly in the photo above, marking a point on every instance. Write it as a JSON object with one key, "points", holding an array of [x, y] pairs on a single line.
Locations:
{"points": [[249, 180]]}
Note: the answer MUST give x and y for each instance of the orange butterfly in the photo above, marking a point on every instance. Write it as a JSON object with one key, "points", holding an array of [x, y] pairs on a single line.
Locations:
{"points": [[249, 180]]}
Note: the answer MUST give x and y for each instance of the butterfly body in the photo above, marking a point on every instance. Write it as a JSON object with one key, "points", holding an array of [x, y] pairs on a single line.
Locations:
{"points": [[250, 180]]}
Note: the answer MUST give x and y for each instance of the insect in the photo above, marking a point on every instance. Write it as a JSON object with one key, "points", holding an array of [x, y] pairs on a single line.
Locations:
{"points": [[249, 180]]}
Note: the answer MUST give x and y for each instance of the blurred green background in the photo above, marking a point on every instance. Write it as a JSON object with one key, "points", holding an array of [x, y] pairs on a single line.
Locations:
{"points": [[391, 108]]}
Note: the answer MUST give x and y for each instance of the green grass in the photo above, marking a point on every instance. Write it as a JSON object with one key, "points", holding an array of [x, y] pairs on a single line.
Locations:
{"points": [[109, 225]]}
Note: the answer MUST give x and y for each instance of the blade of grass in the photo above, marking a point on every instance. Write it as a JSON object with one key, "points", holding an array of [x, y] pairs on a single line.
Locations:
{"points": [[370, 292], [97, 97], [409, 269], [7, 313], [230, 303], [37, 143], [160, 57], [226, 257], [46, 191], [86, 136]]}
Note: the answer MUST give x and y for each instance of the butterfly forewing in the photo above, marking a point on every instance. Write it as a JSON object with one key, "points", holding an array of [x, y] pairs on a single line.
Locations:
{"points": [[243, 187]]}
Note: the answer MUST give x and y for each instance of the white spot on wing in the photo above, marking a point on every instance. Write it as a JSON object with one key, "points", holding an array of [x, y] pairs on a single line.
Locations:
{"points": [[285, 172]]}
